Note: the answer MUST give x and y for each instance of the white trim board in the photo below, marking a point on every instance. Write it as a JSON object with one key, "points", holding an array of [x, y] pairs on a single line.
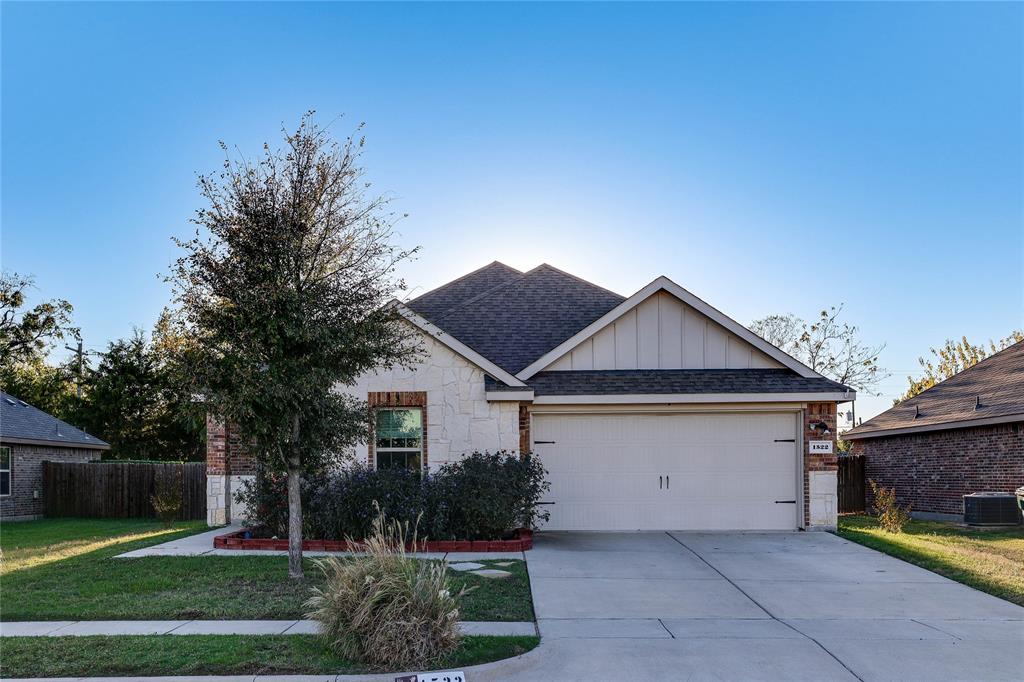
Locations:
{"points": [[457, 346], [667, 398], [659, 284]]}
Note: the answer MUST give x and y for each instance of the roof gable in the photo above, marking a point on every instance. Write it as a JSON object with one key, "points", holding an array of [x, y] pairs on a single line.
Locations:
{"points": [[21, 422], [523, 318], [988, 392], [743, 341], [662, 332]]}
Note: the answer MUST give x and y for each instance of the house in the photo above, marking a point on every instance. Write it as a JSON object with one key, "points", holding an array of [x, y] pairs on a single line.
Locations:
{"points": [[28, 437], [963, 435], [655, 411]]}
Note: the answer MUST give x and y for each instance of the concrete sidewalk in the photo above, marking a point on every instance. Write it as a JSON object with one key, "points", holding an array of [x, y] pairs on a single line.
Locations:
{"points": [[219, 627]]}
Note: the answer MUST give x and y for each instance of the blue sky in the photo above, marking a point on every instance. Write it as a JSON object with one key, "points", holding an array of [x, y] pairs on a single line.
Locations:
{"points": [[769, 158]]}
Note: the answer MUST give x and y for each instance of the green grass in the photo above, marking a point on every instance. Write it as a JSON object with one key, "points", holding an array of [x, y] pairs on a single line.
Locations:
{"points": [[212, 655], [34, 543], [66, 571], [988, 560]]}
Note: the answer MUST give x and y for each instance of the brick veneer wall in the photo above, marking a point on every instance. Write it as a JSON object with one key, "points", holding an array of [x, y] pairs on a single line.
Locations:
{"points": [[817, 463], [27, 476], [376, 399], [933, 470], [225, 452], [525, 446]]}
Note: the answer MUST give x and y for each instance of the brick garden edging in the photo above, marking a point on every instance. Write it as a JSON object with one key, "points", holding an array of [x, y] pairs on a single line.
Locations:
{"points": [[237, 540]]}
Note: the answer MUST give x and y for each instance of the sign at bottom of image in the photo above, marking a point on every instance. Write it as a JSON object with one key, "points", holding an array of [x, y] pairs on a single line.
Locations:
{"points": [[450, 676]]}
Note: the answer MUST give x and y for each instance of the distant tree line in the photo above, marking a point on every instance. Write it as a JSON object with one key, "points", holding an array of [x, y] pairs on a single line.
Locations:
{"points": [[132, 394]]}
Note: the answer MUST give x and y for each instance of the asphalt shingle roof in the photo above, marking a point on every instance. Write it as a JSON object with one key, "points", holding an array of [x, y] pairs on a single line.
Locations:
{"points": [[520, 319], [21, 421], [630, 381], [436, 302], [998, 381]]}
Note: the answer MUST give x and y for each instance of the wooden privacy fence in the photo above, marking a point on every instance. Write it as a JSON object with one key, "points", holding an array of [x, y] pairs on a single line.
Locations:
{"points": [[119, 489], [851, 484]]}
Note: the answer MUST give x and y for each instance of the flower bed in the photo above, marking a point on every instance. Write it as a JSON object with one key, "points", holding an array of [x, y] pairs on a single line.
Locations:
{"points": [[522, 542]]}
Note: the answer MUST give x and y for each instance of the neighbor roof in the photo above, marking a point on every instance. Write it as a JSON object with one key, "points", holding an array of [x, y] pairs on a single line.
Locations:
{"points": [[22, 423], [991, 391], [518, 319], [656, 381]]}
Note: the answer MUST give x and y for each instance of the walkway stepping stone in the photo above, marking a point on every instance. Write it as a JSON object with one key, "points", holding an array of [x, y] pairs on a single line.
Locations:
{"points": [[465, 566], [493, 573], [502, 563]]}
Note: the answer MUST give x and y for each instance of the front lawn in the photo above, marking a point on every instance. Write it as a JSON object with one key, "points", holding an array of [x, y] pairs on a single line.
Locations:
{"points": [[989, 560], [212, 655], [34, 543], [69, 577]]}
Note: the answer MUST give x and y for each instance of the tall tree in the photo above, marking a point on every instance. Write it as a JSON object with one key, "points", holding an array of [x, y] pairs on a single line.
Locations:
{"points": [[26, 334], [284, 289], [829, 346], [953, 358]]}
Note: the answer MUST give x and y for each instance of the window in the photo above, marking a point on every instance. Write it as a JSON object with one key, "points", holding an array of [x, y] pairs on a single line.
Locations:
{"points": [[5, 471], [399, 438]]}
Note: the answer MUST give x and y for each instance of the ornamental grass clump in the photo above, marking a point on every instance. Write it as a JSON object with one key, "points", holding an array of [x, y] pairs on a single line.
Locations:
{"points": [[384, 607]]}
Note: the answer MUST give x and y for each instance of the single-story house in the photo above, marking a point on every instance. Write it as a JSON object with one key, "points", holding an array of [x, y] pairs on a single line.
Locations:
{"points": [[28, 437], [961, 436], [653, 411]]}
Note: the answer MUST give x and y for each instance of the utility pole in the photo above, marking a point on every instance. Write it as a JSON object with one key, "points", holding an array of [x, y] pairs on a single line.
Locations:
{"points": [[79, 352]]}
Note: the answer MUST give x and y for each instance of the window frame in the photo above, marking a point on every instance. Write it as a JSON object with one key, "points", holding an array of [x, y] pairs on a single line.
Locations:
{"points": [[378, 450], [9, 470]]}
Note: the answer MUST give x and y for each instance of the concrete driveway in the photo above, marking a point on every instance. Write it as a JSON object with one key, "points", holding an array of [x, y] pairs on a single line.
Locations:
{"points": [[769, 606]]}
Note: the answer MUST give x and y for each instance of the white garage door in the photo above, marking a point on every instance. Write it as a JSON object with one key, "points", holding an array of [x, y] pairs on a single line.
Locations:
{"points": [[669, 471]]}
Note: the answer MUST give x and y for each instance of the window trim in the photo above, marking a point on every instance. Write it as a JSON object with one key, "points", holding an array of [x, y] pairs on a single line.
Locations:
{"points": [[9, 470], [421, 450]]}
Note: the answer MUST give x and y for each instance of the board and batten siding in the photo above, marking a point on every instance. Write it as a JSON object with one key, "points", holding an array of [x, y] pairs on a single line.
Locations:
{"points": [[662, 332]]}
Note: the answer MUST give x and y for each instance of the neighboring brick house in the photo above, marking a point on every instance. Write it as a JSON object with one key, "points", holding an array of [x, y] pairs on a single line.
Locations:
{"points": [[961, 436], [655, 411], [28, 437]]}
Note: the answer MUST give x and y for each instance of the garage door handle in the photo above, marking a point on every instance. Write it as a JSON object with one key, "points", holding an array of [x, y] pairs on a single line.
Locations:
{"points": [[666, 483], [659, 482], [785, 501]]}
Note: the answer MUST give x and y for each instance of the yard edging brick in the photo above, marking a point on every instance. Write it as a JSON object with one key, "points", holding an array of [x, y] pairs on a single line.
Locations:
{"points": [[237, 540]]}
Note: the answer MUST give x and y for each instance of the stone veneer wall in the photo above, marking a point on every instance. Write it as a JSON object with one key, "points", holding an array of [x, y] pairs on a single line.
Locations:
{"points": [[932, 471], [26, 498], [457, 420], [820, 471]]}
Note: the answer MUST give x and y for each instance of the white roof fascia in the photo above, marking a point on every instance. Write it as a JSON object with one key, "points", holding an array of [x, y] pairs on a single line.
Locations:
{"points": [[456, 345], [664, 283], [665, 398]]}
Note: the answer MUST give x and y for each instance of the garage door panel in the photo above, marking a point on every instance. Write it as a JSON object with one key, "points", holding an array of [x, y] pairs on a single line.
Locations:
{"points": [[721, 471]]}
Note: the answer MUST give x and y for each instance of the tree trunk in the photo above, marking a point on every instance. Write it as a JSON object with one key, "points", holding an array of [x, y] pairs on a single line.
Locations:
{"points": [[294, 518], [295, 507]]}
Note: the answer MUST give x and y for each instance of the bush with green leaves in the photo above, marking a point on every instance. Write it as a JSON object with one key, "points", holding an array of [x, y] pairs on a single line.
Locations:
{"points": [[384, 607], [167, 499], [891, 517], [483, 496]]}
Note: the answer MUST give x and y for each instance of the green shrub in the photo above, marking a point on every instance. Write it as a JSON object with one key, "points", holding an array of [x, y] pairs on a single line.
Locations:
{"points": [[167, 498], [891, 517], [386, 608], [484, 496], [491, 494]]}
